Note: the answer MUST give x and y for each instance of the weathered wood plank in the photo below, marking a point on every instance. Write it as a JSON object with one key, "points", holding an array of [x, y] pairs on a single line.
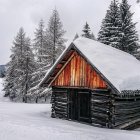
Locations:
{"points": [[126, 104], [73, 73], [62, 110], [100, 110], [128, 121], [59, 103], [96, 121]]}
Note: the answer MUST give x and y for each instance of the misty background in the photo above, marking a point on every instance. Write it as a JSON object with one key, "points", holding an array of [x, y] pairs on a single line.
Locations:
{"points": [[73, 14]]}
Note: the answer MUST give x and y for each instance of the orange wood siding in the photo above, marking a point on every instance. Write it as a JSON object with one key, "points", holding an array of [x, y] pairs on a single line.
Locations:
{"points": [[78, 73]]}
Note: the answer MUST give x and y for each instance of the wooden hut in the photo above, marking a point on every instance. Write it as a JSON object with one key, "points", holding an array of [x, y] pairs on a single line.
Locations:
{"points": [[95, 83]]}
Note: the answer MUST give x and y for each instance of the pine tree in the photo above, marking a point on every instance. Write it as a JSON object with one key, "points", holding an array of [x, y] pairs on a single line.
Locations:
{"points": [[29, 65], [43, 61], [137, 52], [52, 48], [9, 79], [92, 36], [20, 68], [129, 38], [76, 36], [87, 32], [110, 31], [54, 35], [53, 45], [41, 51], [39, 43]]}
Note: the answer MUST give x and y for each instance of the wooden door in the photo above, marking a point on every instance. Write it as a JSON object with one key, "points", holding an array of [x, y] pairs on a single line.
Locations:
{"points": [[79, 105], [84, 106], [73, 104]]}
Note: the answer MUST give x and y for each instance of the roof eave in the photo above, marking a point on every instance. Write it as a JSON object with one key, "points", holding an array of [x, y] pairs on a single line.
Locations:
{"points": [[54, 66]]}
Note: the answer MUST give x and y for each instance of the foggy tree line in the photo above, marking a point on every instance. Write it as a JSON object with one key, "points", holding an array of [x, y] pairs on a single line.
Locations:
{"points": [[30, 60]]}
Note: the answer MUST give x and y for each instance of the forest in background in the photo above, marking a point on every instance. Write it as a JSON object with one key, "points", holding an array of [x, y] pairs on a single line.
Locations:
{"points": [[31, 59]]}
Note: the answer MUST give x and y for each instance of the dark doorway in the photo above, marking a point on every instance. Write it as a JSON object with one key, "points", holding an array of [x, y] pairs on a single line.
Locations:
{"points": [[79, 105]]}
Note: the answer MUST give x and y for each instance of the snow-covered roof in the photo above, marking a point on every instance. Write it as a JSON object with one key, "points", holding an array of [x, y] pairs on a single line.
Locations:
{"points": [[121, 69]]}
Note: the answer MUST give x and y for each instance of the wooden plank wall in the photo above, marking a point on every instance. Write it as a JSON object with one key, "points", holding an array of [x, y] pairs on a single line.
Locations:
{"points": [[78, 73]]}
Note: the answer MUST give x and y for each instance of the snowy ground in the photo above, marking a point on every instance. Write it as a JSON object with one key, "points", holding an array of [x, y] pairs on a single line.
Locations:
{"points": [[32, 122]]}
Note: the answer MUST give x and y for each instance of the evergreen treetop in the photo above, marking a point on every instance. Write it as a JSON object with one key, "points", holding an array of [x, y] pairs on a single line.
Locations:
{"points": [[55, 33], [87, 32], [129, 38], [110, 31], [39, 43], [118, 29], [76, 36]]}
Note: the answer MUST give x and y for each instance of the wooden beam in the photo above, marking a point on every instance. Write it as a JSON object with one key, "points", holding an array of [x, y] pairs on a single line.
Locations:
{"points": [[62, 69]]}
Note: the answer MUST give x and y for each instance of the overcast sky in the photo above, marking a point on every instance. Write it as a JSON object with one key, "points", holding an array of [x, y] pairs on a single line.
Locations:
{"points": [[27, 13]]}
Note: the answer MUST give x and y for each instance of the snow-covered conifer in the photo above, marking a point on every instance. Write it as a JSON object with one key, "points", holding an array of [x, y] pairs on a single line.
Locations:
{"points": [[92, 36], [20, 68], [129, 38], [41, 53], [87, 32], [43, 63], [54, 35], [49, 45], [39, 43], [137, 52], [52, 45], [110, 31], [76, 36]]}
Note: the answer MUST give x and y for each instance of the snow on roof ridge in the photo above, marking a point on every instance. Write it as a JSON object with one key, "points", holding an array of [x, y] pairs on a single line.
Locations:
{"points": [[83, 38], [112, 63]]}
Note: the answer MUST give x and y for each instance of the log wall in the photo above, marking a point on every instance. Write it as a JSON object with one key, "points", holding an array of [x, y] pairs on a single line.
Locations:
{"points": [[115, 111], [102, 109], [106, 109], [127, 111], [59, 103]]}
